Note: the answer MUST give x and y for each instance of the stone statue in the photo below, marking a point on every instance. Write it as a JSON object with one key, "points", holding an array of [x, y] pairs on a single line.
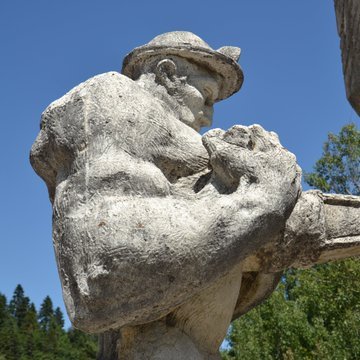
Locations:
{"points": [[163, 236]]}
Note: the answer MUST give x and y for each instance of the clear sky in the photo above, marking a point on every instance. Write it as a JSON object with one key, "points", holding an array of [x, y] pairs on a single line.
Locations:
{"points": [[293, 86]]}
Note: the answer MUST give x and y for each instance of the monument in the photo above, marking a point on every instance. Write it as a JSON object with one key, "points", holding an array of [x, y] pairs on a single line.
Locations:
{"points": [[163, 236]]}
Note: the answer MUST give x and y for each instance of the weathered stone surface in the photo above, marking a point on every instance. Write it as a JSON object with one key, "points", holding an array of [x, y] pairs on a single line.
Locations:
{"points": [[188, 46], [348, 24], [322, 227], [125, 208], [163, 236]]}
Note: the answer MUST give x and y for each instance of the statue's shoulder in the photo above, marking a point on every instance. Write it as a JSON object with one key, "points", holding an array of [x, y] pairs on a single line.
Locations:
{"points": [[108, 82], [103, 101], [101, 88]]}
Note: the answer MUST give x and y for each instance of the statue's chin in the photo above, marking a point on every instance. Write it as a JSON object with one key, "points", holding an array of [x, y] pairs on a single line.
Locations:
{"points": [[204, 121]]}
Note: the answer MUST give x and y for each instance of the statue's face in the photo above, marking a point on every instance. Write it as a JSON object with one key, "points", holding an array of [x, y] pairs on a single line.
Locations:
{"points": [[192, 86], [198, 94]]}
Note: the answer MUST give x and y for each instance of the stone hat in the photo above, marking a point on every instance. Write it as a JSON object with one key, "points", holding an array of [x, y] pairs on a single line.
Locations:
{"points": [[189, 46]]}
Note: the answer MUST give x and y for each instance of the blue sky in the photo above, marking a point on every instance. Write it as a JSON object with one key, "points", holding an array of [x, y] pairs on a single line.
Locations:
{"points": [[293, 86]]}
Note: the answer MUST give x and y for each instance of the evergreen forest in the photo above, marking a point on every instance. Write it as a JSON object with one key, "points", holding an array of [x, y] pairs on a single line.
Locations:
{"points": [[27, 333]]}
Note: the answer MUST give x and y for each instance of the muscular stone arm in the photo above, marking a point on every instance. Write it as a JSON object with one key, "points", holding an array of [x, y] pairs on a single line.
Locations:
{"points": [[143, 246], [132, 239]]}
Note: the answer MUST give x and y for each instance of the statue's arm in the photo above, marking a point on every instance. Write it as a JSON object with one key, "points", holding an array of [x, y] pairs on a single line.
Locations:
{"points": [[250, 192], [142, 241], [322, 228]]}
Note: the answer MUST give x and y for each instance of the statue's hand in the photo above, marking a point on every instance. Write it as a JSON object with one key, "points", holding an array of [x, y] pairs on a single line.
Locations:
{"points": [[252, 159]]}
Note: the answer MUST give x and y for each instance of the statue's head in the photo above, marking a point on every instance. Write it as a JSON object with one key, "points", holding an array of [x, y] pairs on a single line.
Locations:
{"points": [[191, 72]]}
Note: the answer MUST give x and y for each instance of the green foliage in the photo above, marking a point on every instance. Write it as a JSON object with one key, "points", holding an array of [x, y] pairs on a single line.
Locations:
{"points": [[315, 313], [3, 309], [26, 334], [46, 314], [19, 305], [59, 317], [87, 343], [321, 321], [338, 168]]}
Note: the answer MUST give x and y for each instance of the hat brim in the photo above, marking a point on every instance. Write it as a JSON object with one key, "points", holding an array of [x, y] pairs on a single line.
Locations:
{"points": [[231, 74]]}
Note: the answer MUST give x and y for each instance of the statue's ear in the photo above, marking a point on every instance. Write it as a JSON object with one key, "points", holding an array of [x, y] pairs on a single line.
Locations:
{"points": [[165, 71]]}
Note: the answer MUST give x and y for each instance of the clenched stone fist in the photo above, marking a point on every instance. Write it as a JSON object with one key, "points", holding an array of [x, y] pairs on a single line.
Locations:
{"points": [[252, 159]]}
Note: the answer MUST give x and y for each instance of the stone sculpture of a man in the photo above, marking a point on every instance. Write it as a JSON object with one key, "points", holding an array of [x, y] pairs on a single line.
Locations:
{"points": [[151, 221]]}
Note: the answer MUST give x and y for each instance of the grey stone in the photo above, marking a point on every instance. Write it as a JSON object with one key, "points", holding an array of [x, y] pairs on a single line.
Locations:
{"points": [[162, 236], [348, 24]]}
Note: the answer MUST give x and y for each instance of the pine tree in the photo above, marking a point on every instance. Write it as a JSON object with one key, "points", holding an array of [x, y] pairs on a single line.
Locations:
{"points": [[30, 333], [10, 341], [59, 317], [3, 309], [19, 305], [46, 313], [86, 344]]}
